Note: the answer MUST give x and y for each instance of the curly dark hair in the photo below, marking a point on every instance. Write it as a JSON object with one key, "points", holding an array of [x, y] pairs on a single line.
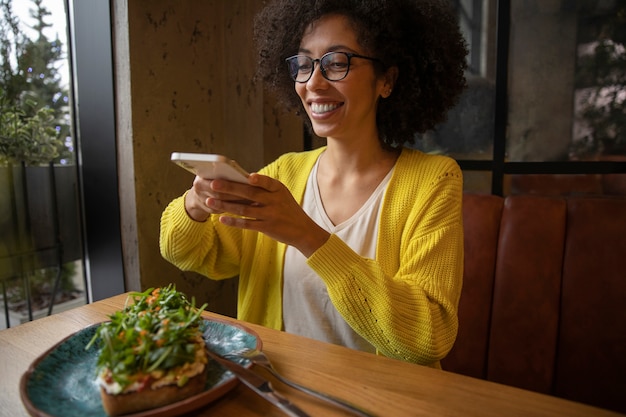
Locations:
{"points": [[420, 37]]}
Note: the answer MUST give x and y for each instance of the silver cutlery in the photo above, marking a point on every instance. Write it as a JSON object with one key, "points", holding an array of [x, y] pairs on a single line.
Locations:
{"points": [[259, 358], [259, 385]]}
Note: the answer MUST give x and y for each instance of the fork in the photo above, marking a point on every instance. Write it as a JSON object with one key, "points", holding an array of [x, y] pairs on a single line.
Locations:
{"points": [[259, 358]]}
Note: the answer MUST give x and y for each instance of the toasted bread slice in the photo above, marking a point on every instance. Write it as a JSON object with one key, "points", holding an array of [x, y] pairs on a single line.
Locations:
{"points": [[149, 398], [152, 353]]}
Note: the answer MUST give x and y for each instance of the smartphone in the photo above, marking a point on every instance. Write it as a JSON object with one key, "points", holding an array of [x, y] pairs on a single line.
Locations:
{"points": [[210, 166]]}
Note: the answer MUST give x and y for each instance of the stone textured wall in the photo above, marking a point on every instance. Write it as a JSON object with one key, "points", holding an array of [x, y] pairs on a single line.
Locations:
{"points": [[184, 82]]}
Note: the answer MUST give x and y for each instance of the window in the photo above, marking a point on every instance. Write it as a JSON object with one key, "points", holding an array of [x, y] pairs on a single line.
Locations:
{"points": [[41, 269], [545, 111]]}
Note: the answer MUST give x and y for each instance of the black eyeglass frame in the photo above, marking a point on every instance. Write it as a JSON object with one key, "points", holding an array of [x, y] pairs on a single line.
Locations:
{"points": [[350, 55]]}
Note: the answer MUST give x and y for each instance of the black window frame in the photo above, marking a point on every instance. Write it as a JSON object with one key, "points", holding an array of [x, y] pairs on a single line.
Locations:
{"points": [[91, 59]]}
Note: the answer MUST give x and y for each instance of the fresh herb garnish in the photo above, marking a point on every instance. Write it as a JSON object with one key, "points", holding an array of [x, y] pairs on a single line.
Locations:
{"points": [[158, 332]]}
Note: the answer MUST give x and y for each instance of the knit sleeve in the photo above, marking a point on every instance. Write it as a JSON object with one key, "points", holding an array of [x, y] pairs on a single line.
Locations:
{"points": [[208, 248], [405, 302]]}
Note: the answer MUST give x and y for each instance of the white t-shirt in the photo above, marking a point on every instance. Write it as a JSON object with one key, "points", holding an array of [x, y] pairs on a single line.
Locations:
{"points": [[307, 309]]}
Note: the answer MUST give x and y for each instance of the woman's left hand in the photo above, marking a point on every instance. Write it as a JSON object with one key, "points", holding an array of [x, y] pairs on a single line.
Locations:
{"points": [[268, 207]]}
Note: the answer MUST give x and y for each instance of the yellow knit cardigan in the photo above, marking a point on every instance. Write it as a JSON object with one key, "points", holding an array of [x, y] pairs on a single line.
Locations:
{"points": [[404, 302]]}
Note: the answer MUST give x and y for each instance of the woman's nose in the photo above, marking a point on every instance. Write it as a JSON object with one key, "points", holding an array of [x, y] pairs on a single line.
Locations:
{"points": [[317, 79]]}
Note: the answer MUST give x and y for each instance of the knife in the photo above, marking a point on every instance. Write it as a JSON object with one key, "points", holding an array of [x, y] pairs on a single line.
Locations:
{"points": [[260, 385]]}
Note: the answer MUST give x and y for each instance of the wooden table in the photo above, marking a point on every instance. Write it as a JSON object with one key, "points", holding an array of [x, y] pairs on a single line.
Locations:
{"points": [[384, 386]]}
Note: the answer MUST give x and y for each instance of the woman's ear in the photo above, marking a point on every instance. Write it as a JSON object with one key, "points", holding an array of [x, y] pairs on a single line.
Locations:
{"points": [[391, 75]]}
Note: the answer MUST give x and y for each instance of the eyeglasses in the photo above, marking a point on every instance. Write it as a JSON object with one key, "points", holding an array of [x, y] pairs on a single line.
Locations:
{"points": [[334, 66]]}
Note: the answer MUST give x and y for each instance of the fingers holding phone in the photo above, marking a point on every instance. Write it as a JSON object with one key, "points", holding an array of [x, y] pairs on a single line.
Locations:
{"points": [[207, 168], [196, 200]]}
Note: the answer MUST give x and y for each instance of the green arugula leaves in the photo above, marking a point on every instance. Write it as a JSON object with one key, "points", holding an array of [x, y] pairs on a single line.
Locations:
{"points": [[157, 332]]}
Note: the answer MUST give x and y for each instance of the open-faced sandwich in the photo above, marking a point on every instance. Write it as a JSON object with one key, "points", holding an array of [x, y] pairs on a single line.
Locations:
{"points": [[151, 353]]}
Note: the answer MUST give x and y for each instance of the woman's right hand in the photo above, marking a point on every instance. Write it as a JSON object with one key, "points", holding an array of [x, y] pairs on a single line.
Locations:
{"points": [[196, 199]]}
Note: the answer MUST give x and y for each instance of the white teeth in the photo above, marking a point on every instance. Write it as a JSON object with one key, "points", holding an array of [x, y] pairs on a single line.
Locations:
{"points": [[323, 108]]}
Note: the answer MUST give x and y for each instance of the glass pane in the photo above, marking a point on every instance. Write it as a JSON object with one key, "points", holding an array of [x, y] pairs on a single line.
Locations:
{"points": [[614, 184], [570, 184], [40, 236], [567, 81], [477, 182], [548, 184], [469, 130]]}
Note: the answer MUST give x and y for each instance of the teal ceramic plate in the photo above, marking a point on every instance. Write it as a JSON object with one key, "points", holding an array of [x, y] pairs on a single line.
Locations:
{"points": [[61, 382]]}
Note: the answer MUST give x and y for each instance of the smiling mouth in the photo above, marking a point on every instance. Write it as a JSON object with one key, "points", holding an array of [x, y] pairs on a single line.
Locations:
{"points": [[321, 108]]}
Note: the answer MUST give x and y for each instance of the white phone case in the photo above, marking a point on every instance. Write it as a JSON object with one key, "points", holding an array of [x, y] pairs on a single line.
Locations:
{"points": [[210, 166]]}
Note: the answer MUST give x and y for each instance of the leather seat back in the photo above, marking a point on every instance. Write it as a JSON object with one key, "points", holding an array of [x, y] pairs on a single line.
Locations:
{"points": [[481, 217], [543, 305]]}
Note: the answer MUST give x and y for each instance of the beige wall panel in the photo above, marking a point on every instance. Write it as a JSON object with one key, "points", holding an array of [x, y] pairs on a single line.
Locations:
{"points": [[184, 83]]}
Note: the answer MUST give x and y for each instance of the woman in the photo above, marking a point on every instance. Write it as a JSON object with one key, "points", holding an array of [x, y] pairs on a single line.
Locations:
{"points": [[360, 242]]}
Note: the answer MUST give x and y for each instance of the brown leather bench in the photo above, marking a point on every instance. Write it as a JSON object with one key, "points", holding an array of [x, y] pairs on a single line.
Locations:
{"points": [[543, 305]]}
